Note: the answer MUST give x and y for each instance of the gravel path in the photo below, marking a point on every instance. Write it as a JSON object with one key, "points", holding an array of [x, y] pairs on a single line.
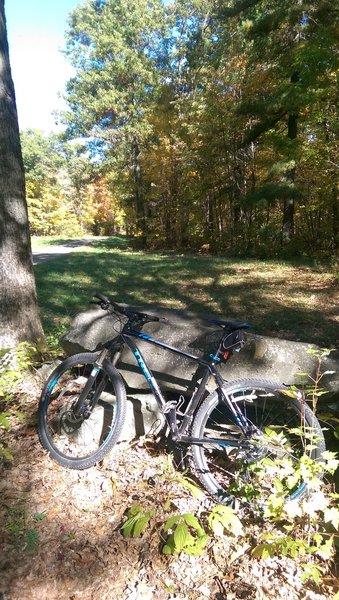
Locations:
{"points": [[49, 252]]}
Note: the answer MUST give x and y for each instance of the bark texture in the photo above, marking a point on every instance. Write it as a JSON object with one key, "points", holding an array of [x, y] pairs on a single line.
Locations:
{"points": [[19, 314]]}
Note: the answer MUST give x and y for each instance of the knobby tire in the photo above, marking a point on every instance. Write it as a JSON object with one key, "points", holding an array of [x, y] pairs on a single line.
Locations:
{"points": [[232, 474], [79, 444]]}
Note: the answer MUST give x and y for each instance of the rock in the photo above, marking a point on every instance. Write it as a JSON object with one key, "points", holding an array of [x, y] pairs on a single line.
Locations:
{"points": [[264, 357], [89, 331], [142, 416]]}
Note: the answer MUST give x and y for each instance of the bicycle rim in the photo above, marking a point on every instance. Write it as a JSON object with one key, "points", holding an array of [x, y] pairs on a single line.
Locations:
{"points": [[256, 467], [80, 441]]}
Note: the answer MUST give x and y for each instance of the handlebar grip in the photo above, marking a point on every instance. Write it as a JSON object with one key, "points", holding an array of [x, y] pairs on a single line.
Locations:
{"points": [[106, 303], [101, 297]]}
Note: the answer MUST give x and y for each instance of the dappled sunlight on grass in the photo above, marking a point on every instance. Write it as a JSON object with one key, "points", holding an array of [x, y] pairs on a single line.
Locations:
{"points": [[280, 299]]}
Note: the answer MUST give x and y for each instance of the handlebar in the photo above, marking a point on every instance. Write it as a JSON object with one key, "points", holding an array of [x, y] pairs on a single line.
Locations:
{"points": [[133, 315]]}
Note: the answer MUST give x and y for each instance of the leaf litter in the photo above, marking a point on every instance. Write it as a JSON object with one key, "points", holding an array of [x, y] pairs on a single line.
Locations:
{"points": [[72, 521]]}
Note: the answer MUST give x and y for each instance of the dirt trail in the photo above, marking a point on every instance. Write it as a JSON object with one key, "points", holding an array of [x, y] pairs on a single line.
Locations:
{"points": [[49, 252]]}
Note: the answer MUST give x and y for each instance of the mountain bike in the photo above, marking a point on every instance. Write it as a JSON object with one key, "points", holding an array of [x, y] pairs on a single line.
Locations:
{"points": [[234, 435]]}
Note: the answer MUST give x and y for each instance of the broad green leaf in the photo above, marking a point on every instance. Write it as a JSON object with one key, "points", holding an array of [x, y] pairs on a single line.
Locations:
{"points": [[4, 421], [171, 521], [181, 536], [140, 525], [326, 550], [168, 549], [193, 550], [311, 571], [128, 525], [193, 522], [194, 489], [135, 509], [216, 526], [262, 551]]}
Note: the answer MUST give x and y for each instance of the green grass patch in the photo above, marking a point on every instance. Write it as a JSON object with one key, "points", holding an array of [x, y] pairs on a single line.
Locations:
{"points": [[295, 301], [97, 242]]}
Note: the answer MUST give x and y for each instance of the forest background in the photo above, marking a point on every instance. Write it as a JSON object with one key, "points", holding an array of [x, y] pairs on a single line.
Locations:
{"points": [[191, 123]]}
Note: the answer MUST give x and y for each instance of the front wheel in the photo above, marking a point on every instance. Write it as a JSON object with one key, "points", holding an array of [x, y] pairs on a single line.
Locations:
{"points": [[249, 468], [74, 440]]}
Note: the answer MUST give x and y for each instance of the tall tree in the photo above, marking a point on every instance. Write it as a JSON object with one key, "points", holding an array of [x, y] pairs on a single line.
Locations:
{"points": [[290, 54], [113, 46], [214, 117], [19, 313]]}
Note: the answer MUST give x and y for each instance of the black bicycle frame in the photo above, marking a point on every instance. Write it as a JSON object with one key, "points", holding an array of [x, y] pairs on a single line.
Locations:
{"points": [[169, 408]]}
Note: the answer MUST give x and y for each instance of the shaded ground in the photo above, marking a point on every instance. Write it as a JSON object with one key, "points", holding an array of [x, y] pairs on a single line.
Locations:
{"points": [[61, 539], [296, 301]]}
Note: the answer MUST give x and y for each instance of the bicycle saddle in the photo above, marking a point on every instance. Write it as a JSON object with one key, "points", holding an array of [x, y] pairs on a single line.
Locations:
{"points": [[230, 324]]}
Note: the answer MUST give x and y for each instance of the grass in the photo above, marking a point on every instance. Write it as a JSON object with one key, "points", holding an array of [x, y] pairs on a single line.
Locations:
{"points": [[291, 300]]}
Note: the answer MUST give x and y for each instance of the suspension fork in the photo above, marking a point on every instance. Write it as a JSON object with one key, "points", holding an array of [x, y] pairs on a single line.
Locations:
{"points": [[80, 406]]}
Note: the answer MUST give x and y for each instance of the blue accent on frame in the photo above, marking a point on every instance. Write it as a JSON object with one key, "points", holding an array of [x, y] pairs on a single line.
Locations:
{"points": [[214, 357], [298, 492], [142, 364], [144, 336]]}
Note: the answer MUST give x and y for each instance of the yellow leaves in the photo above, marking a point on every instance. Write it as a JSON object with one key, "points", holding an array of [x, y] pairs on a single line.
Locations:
{"points": [[247, 24], [223, 518], [331, 515], [331, 461], [316, 502]]}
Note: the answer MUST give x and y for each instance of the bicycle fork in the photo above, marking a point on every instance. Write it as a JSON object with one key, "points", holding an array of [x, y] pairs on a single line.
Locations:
{"points": [[81, 408]]}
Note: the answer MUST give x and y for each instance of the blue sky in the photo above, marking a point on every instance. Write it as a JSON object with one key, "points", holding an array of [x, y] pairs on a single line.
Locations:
{"points": [[35, 34]]}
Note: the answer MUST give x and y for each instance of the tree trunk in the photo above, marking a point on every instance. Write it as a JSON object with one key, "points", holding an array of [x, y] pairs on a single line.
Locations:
{"points": [[288, 211], [19, 313], [139, 198], [335, 220]]}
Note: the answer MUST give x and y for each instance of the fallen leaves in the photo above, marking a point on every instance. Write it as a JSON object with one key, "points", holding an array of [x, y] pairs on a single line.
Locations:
{"points": [[80, 551]]}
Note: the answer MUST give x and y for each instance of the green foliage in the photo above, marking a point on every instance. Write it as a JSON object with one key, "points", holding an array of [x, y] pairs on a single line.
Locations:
{"points": [[223, 519], [13, 364], [290, 528], [301, 528], [173, 117], [187, 483], [312, 383], [137, 521], [66, 193], [20, 526], [187, 535], [200, 124]]}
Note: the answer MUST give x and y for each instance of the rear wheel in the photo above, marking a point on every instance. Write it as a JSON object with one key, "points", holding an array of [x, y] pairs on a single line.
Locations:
{"points": [[250, 468], [79, 441]]}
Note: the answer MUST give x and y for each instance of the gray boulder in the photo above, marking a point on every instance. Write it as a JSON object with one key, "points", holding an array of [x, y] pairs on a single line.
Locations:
{"points": [[264, 357], [261, 357]]}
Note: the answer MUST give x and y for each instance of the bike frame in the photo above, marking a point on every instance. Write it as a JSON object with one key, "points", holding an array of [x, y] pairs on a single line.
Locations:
{"points": [[169, 408]]}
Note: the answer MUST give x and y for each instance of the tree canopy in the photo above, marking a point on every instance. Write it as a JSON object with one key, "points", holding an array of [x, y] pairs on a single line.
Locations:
{"points": [[209, 122]]}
